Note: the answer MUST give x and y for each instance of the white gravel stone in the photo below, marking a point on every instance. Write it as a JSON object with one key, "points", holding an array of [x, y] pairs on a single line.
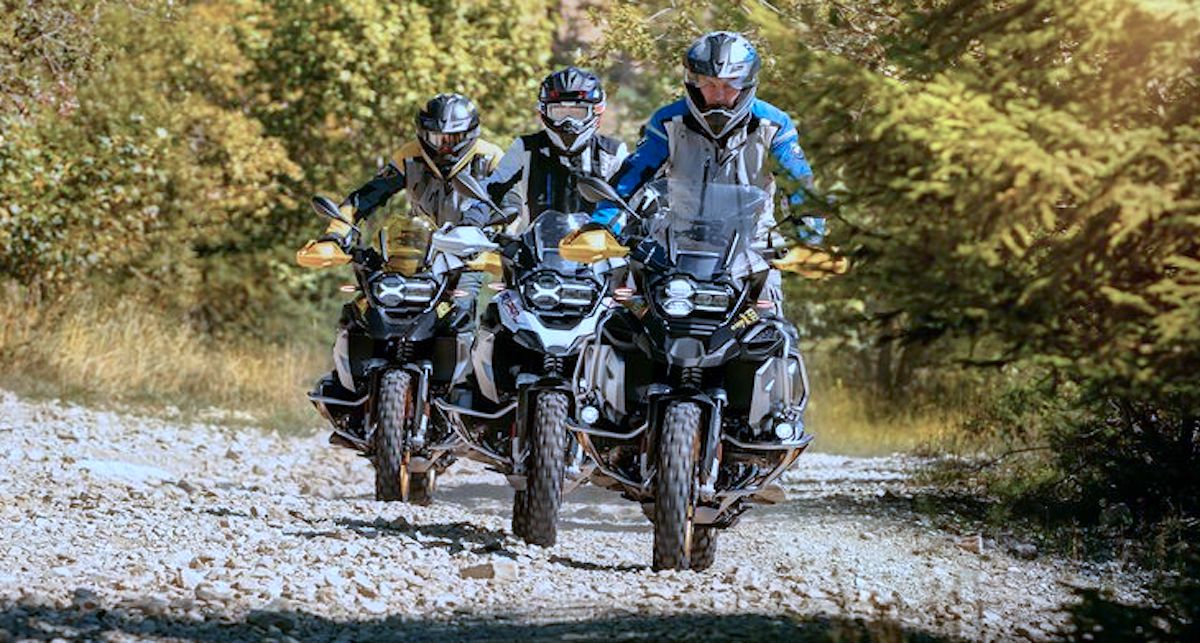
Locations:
{"points": [[197, 522]]}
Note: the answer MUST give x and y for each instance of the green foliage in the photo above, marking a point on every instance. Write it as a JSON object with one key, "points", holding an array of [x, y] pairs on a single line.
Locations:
{"points": [[341, 81], [1017, 186], [169, 150]]}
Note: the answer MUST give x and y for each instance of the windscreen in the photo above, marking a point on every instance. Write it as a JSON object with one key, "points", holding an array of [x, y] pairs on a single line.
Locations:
{"points": [[706, 225], [550, 227], [408, 240]]}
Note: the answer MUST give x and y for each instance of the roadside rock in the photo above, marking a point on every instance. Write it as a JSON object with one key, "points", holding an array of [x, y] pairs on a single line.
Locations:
{"points": [[498, 568], [214, 592]]}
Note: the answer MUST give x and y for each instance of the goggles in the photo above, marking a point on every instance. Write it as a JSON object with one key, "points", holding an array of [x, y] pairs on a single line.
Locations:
{"points": [[559, 113], [444, 141], [702, 81]]}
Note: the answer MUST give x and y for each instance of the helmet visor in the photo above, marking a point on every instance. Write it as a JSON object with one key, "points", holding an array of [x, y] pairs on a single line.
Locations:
{"points": [[445, 141], [563, 112]]}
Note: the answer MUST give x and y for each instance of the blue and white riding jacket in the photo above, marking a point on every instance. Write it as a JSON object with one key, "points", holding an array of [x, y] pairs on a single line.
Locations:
{"points": [[673, 147]]}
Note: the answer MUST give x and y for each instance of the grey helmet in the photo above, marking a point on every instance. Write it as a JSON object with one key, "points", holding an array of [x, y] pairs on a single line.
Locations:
{"points": [[447, 128], [571, 101], [724, 56]]}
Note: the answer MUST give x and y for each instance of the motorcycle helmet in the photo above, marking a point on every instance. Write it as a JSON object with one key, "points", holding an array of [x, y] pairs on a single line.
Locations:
{"points": [[570, 102], [447, 128], [721, 77]]}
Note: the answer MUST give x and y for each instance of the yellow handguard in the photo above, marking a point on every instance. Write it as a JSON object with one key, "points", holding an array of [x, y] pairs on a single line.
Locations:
{"points": [[324, 254], [321, 254], [488, 262], [811, 263], [591, 246]]}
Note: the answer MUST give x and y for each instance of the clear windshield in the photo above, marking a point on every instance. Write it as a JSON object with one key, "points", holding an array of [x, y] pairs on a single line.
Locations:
{"points": [[550, 227], [407, 243], [706, 225]]}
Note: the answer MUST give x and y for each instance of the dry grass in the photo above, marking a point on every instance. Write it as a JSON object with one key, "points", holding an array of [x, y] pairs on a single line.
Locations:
{"points": [[99, 350], [848, 420], [83, 347]]}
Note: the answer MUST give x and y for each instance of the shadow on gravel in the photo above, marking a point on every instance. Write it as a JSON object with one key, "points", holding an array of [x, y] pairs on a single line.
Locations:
{"points": [[43, 623], [595, 567], [456, 537], [929, 503]]}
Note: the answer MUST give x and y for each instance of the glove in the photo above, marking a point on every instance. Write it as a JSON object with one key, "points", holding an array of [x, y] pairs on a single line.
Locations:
{"points": [[650, 253], [608, 216], [476, 215]]}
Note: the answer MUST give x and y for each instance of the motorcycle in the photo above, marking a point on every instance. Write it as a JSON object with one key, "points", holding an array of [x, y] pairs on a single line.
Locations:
{"points": [[515, 416], [405, 344], [690, 400]]}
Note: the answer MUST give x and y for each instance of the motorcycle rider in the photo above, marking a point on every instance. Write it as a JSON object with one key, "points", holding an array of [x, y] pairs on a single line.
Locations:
{"points": [[448, 142], [719, 132], [539, 171]]}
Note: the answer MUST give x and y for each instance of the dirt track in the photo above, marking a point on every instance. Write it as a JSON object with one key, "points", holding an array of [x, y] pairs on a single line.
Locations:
{"points": [[122, 527]]}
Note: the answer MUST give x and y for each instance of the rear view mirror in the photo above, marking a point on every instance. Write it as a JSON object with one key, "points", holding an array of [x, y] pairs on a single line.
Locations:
{"points": [[596, 190], [505, 216], [325, 207], [467, 185]]}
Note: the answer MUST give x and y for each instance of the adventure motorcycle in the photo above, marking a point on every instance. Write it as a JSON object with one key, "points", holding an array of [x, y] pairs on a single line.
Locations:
{"points": [[515, 417], [406, 343], [690, 400]]}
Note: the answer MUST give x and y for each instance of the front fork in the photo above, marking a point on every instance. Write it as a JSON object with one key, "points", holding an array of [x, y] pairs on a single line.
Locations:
{"points": [[528, 386], [423, 370], [712, 403]]}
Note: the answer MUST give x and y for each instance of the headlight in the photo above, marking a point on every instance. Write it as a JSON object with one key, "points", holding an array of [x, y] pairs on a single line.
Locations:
{"points": [[549, 290], [394, 290], [680, 297], [678, 307], [712, 298], [677, 297]]}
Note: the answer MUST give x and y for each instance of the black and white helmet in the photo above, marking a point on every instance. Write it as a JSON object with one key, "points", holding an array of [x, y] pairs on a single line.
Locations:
{"points": [[726, 60], [571, 102], [447, 128]]}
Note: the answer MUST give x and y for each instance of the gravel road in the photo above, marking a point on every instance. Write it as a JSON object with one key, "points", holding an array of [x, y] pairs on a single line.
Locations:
{"points": [[118, 526]]}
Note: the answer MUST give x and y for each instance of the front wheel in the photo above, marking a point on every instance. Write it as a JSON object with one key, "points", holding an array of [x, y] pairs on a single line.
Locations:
{"points": [[535, 511], [678, 451], [393, 480], [704, 548]]}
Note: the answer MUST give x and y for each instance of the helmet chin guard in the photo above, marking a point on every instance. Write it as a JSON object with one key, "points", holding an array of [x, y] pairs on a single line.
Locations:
{"points": [[570, 143]]}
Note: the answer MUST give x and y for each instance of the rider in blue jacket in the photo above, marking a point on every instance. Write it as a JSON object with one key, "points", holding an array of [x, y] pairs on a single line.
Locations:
{"points": [[719, 132]]}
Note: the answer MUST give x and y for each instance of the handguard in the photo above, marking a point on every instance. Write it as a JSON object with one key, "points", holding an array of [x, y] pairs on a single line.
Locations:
{"points": [[591, 245], [488, 262], [811, 263], [322, 254]]}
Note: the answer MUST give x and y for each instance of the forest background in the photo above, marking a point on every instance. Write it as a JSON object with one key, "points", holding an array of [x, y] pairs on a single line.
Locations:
{"points": [[1016, 184]]}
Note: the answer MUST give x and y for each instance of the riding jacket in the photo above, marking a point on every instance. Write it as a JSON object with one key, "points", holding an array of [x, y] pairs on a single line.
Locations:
{"points": [[536, 176], [673, 146]]}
